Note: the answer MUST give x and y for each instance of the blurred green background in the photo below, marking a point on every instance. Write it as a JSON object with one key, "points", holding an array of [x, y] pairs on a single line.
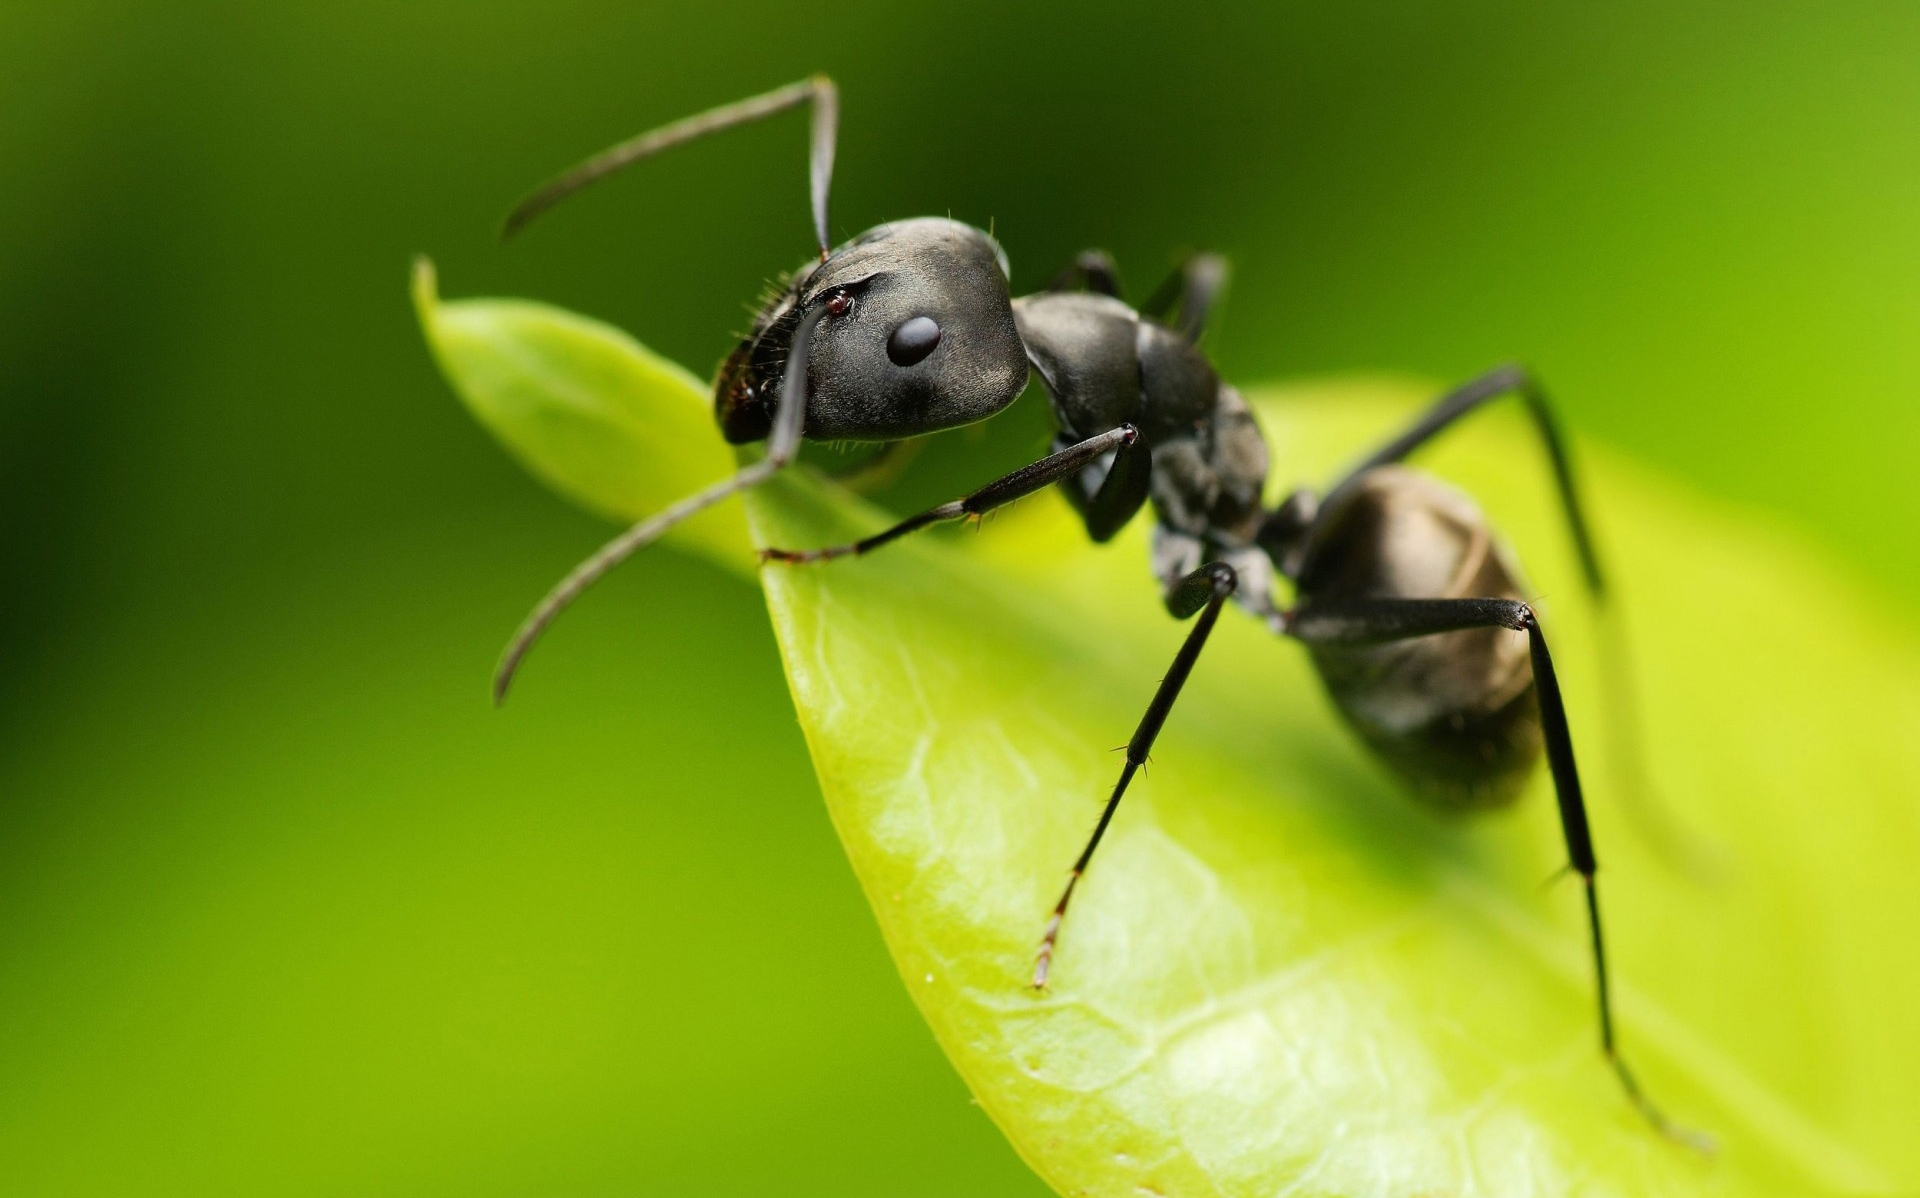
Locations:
{"points": [[285, 907]]}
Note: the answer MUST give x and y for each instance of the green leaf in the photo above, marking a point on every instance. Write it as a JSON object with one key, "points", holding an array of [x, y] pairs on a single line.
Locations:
{"points": [[1284, 976], [590, 411]]}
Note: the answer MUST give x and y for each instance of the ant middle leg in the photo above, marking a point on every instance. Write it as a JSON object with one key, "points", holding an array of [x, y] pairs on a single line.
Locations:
{"points": [[1126, 480], [1176, 554], [1204, 591], [1360, 623]]}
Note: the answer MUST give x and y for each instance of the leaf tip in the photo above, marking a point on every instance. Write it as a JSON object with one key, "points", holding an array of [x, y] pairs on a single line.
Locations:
{"points": [[425, 286]]}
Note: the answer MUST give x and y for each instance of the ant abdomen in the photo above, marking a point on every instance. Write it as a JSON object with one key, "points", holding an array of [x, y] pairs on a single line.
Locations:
{"points": [[1455, 713]]}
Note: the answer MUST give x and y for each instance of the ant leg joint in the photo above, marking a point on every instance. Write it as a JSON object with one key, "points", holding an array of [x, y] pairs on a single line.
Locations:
{"points": [[1223, 577], [1209, 584]]}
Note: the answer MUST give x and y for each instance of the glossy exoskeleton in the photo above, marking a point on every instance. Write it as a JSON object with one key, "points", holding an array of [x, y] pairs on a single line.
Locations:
{"points": [[1401, 593]]}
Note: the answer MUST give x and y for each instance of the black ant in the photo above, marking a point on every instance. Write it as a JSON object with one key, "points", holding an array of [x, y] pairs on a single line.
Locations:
{"points": [[1402, 595]]}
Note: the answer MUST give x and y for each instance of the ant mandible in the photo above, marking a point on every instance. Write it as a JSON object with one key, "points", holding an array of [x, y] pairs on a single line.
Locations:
{"points": [[1401, 594]]}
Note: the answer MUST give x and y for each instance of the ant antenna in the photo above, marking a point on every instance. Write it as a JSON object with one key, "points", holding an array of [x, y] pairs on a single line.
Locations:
{"points": [[817, 89], [782, 445]]}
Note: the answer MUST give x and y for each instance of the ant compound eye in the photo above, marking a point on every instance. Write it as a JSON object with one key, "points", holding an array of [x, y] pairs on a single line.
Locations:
{"points": [[913, 341]]}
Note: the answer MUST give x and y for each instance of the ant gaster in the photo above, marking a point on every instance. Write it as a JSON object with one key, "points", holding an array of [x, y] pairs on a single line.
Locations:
{"points": [[1401, 594]]}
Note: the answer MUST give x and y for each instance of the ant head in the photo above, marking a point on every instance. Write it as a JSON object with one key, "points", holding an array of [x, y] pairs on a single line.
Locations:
{"points": [[917, 336]]}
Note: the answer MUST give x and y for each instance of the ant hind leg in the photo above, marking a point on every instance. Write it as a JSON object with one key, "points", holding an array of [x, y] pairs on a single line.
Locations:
{"points": [[1379, 621]]}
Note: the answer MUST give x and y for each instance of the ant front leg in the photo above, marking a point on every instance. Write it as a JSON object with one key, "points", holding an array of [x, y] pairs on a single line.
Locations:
{"points": [[1204, 591], [1092, 270], [1056, 467], [1380, 621], [1108, 492], [1192, 288]]}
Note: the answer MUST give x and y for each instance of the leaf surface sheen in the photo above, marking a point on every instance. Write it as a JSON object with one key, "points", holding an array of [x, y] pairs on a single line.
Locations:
{"points": [[1283, 976]]}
